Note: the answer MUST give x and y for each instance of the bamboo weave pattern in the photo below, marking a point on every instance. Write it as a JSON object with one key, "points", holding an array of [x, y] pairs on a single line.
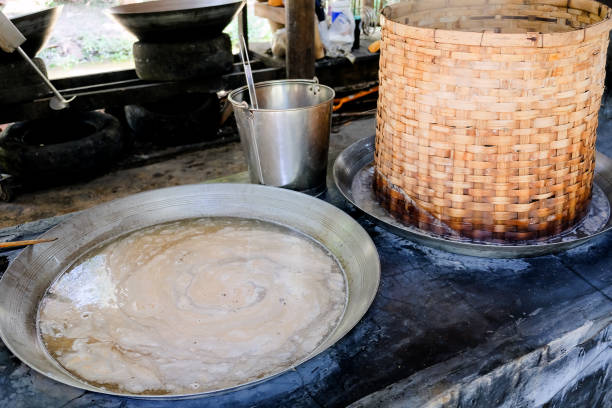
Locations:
{"points": [[487, 114]]}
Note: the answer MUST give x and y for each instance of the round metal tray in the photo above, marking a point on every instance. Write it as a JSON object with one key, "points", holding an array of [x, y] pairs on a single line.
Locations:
{"points": [[353, 173], [26, 280]]}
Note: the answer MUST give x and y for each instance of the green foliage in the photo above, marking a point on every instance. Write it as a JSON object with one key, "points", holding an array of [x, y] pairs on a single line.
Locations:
{"points": [[92, 49], [109, 49], [259, 30], [96, 46]]}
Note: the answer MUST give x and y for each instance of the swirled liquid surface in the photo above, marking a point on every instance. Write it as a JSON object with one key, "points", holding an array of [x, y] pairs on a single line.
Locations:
{"points": [[193, 306]]}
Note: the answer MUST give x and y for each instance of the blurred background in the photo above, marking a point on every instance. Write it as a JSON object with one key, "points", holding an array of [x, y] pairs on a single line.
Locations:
{"points": [[86, 40]]}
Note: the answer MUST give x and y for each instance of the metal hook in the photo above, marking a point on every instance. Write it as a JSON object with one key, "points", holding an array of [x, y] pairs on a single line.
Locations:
{"points": [[315, 88], [246, 106]]}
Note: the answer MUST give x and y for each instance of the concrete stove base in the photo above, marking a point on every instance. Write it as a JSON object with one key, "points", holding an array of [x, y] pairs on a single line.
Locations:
{"points": [[444, 330]]}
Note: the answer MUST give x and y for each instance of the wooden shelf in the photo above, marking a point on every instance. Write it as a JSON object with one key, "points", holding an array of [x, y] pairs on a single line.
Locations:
{"points": [[116, 89], [338, 73], [276, 14]]}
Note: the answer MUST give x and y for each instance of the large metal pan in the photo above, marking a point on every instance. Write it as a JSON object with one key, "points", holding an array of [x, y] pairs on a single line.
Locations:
{"points": [[36, 28], [353, 174], [28, 277], [176, 20]]}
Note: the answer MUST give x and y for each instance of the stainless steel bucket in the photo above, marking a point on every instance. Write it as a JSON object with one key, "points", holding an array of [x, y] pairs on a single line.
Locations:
{"points": [[286, 140]]}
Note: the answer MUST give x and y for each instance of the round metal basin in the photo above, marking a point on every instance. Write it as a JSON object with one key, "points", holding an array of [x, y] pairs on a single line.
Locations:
{"points": [[354, 173], [36, 28], [176, 20], [29, 276]]}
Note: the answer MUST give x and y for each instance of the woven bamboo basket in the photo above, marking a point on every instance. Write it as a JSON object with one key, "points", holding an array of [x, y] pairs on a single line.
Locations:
{"points": [[487, 114]]}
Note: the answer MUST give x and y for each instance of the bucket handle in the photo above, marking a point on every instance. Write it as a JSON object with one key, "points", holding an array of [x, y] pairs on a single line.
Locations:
{"points": [[251, 120], [315, 88]]}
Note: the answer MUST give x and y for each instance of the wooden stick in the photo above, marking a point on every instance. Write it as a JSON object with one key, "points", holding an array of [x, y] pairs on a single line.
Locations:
{"points": [[25, 243]]}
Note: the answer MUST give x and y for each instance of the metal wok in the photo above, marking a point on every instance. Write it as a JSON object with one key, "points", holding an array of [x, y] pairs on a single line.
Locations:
{"points": [[176, 20], [36, 28], [33, 271]]}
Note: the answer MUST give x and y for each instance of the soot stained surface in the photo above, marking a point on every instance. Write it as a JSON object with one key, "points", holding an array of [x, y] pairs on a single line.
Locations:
{"points": [[494, 327]]}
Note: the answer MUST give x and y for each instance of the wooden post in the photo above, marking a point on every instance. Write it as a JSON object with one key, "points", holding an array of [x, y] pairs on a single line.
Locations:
{"points": [[300, 38]]}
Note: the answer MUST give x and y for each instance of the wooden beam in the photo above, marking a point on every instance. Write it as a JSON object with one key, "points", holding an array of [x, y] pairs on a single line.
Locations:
{"points": [[124, 88], [300, 38]]}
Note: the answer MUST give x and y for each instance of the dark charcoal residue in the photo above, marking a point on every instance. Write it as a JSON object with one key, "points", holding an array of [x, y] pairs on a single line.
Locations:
{"points": [[438, 318]]}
